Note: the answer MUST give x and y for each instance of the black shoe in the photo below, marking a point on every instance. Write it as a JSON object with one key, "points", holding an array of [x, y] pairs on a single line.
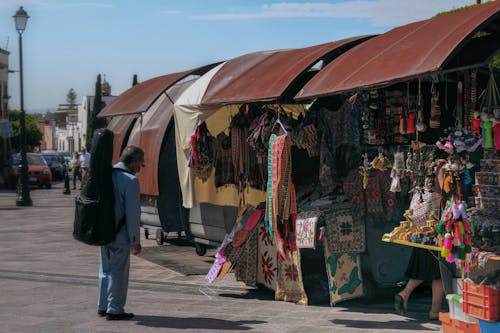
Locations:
{"points": [[119, 316], [101, 313], [399, 304]]}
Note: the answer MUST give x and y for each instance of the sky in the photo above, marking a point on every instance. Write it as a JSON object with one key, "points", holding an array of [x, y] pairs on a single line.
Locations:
{"points": [[67, 43]]}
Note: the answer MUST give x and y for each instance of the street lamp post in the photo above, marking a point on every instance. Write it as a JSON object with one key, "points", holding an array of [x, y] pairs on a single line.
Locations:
{"points": [[21, 18]]}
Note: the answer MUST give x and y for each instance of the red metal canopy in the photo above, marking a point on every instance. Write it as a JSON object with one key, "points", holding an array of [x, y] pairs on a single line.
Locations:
{"points": [[265, 75], [141, 96], [120, 126], [149, 135], [402, 53]]}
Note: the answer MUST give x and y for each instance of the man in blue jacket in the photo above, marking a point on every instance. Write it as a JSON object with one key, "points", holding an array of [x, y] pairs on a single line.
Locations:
{"points": [[115, 257]]}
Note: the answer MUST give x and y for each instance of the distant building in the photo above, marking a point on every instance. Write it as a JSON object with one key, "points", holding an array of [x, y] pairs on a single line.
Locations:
{"points": [[48, 135]]}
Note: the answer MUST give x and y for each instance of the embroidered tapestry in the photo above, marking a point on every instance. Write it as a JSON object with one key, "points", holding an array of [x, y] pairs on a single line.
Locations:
{"points": [[344, 276], [306, 229], [290, 286], [345, 232], [267, 259]]}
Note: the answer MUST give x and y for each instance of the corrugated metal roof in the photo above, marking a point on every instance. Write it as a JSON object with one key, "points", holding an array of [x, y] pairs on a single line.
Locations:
{"points": [[120, 126], [265, 75], [402, 53], [141, 96], [149, 135]]}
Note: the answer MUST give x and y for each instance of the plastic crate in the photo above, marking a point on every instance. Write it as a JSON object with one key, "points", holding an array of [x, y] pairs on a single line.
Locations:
{"points": [[456, 312], [489, 327], [450, 325], [481, 301]]}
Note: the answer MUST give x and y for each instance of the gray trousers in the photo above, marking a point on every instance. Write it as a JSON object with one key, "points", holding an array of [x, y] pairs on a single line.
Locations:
{"points": [[113, 278]]}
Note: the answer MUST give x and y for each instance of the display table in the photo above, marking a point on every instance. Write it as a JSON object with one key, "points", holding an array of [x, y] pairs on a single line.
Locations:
{"points": [[422, 246]]}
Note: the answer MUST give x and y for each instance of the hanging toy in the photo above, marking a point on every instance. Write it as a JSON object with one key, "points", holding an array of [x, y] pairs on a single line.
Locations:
{"points": [[435, 120], [456, 231], [397, 172], [476, 122], [496, 128], [487, 126], [364, 170], [421, 126]]}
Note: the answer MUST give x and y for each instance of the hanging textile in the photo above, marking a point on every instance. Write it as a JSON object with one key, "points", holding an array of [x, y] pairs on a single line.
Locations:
{"points": [[344, 274], [375, 202], [224, 168], [267, 259], [246, 270], [344, 230], [306, 229], [289, 285], [202, 152], [283, 201], [337, 128]]}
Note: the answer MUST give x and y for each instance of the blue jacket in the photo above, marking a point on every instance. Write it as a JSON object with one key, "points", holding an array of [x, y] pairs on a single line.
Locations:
{"points": [[127, 203]]}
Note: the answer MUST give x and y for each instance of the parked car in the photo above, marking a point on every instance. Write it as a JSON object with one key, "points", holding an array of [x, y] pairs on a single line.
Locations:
{"points": [[38, 171], [55, 162]]}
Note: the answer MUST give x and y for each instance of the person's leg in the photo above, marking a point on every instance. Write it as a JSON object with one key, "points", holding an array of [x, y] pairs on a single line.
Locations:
{"points": [[437, 298], [84, 177], [406, 292], [75, 175], [118, 282], [102, 303]]}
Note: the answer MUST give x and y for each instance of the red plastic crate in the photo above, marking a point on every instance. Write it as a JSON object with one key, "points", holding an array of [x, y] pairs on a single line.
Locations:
{"points": [[457, 326], [481, 301]]}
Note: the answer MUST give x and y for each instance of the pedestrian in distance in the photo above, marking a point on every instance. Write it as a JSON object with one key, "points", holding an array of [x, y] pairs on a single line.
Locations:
{"points": [[115, 257], [84, 166], [76, 169]]}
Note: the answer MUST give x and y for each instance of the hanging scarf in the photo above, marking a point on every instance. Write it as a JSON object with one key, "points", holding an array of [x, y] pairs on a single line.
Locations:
{"points": [[284, 208], [224, 169]]}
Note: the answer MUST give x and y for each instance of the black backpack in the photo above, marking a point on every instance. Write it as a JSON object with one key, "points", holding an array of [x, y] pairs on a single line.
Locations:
{"points": [[94, 222]]}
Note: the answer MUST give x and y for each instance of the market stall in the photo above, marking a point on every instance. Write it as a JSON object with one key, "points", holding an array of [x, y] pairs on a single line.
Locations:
{"points": [[208, 108], [440, 101], [142, 116]]}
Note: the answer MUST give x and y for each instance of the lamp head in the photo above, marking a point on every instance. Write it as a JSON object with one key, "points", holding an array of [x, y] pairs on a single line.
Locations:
{"points": [[21, 18]]}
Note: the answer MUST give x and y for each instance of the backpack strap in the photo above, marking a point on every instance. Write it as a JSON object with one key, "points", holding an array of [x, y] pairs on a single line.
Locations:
{"points": [[122, 170], [123, 219]]}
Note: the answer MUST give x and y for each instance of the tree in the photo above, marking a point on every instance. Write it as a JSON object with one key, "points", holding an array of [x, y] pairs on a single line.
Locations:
{"points": [[71, 97], [134, 80], [33, 133], [94, 122]]}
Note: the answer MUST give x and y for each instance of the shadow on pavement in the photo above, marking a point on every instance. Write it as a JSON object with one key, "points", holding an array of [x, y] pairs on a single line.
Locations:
{"points": [[411, 324], [195, 323], [258, 293]]}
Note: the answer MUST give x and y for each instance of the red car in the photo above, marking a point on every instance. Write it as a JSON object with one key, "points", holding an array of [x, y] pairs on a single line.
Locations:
{"points": [[38, 171]]}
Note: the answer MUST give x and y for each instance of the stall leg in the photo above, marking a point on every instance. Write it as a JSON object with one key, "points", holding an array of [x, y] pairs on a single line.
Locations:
{"points": [[160, 237]]}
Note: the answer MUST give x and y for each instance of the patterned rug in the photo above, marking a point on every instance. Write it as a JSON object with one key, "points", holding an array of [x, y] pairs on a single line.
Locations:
{"points": [[246, 269], [290, 286], [267, 259], [344, 232], [344, 276]]}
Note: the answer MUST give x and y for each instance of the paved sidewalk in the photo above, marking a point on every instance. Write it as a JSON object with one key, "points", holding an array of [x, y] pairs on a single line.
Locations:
{"points": [[48, 283]]}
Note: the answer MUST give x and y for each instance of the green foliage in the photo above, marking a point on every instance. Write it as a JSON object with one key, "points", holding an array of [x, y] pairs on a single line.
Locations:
{"points": [[33, 133], [94, 122], [459, 9]]}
